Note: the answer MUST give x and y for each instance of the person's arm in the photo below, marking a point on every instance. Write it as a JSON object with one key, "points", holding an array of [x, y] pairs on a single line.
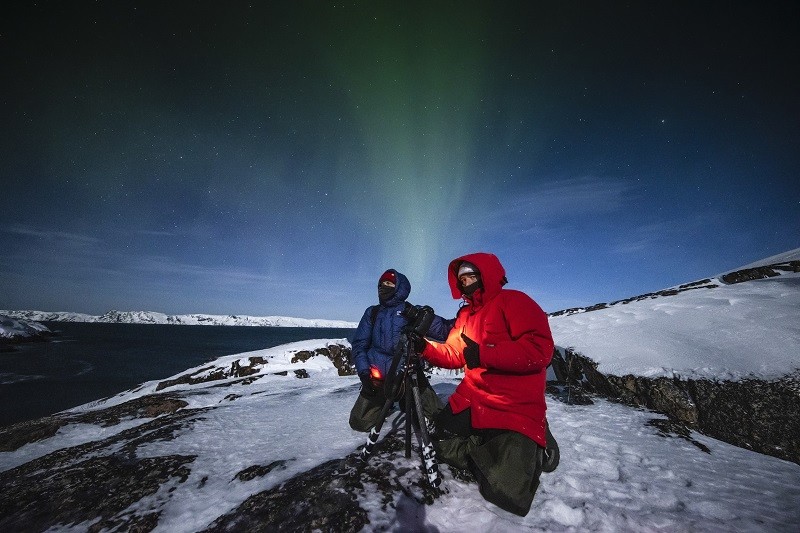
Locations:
{"points": [[440, 328], [446, 354], [530, 348], [361, 342]]}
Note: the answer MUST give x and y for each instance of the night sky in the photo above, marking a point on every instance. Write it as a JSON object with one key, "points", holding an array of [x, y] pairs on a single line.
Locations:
{"points": [[203, 157]]}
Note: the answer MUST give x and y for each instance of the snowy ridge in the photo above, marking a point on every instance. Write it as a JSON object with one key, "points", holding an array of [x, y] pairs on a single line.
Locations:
{"points": [[15, 328], [151, 317], [705, 329]]}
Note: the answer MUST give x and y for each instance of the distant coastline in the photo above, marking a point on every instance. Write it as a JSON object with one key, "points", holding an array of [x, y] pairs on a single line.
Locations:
{"points": [[151, 317]]}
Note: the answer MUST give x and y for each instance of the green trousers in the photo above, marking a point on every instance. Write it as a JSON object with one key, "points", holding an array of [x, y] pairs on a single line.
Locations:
{"points": [[506, 464], [365, 412]]}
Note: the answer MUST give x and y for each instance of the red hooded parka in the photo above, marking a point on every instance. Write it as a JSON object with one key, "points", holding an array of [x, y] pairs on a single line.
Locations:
{"points": [[507, 390]]}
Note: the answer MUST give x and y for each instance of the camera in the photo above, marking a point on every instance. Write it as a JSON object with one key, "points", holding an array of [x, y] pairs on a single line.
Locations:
{"points": [[419, 319]]}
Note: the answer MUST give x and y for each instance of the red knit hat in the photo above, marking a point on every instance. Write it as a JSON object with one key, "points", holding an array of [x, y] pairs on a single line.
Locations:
{"points": [[388, 276]]}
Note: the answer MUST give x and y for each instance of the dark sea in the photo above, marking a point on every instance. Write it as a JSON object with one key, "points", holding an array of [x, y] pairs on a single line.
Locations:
{"points": [[87, 362]]}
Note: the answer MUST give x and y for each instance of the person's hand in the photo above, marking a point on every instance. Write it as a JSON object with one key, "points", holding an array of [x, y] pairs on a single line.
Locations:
{"points": [[417, 341], [472, 352], [367, 388]]}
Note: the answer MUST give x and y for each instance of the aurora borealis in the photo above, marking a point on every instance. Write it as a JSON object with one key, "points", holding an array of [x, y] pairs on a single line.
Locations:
{"points": [[275, 159]]}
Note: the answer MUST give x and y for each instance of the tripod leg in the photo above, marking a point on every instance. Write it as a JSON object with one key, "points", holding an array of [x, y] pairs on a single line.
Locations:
{"points": [[375, 432], [409, 405], [428, 453]]}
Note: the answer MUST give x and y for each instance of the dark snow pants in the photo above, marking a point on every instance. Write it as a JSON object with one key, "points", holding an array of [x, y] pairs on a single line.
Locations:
{"points": [[365, 412], [506, 464]]}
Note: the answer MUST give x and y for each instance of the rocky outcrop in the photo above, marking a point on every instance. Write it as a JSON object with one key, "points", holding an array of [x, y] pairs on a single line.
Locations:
{"points": [[17, 435], [702, 284], [339, 354], [326, 498], [762, 272], [763, 416], [97, 485], [94, 483]]}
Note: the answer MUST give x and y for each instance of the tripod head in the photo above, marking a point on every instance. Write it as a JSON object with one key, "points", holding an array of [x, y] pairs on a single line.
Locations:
{"points": [[419, 319]]}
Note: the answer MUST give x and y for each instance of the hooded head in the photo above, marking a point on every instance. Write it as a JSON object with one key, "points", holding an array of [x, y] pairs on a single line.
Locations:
{"points": [[393, 287], [492, 273], [469, 278]]}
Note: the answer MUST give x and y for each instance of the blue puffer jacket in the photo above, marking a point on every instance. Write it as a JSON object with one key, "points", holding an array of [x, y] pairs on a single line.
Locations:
{"points": [[374, 344]]}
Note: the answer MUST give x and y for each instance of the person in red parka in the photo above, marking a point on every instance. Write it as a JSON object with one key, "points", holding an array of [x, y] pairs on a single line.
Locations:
{"points": [[494, 422]]}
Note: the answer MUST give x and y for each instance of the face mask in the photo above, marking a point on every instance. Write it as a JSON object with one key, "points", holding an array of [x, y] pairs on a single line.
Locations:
{"points": [[469, 289], [384, 292]]}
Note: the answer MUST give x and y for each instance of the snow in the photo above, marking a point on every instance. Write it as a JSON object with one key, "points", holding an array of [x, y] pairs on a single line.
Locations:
{"points": [[729, 332], [616, 473]]}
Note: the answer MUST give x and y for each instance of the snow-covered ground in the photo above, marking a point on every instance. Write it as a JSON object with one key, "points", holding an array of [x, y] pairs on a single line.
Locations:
{"points": [[616, 472]]}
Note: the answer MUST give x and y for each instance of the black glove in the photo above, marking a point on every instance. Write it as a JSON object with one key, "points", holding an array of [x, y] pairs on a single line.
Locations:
{"points": [[367, 388], [417, 341], [472, 352]]}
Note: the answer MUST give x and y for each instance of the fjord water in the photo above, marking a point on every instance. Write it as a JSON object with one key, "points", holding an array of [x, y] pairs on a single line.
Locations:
{"points": [[87, 361]]}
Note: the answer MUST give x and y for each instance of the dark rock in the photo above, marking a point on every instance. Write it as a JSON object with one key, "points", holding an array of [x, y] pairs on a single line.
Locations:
{"points": [[252, 472], [190, 379], [17, 435], [338, 354], [762, 272], [325, 498], [96, 488], [763, 416], [669, 428], [95, 483]]}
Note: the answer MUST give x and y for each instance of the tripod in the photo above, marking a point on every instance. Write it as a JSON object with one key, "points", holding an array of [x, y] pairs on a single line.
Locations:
{"points": [[413, 406]]}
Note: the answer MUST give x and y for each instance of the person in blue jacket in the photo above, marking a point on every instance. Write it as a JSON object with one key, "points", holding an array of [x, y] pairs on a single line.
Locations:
{"points": [[373, 348]]}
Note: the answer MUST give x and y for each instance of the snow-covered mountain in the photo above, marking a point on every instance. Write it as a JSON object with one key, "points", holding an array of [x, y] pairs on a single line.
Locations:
{"points": [[11, 328], [151, 317]]}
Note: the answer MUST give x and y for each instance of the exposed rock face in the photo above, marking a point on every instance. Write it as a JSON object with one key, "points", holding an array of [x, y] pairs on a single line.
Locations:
{"points": [[768, 271], [326, 498], [107, 484], [339, 355], [763, 416], [96, 485], [17, 435]]}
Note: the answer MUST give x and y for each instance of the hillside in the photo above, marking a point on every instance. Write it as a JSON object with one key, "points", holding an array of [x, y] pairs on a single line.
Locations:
{"points": [[720, 355]]}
